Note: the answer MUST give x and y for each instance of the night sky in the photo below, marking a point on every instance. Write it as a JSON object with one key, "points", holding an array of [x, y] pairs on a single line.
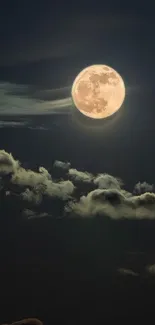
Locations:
{"points": [[77, 196]]}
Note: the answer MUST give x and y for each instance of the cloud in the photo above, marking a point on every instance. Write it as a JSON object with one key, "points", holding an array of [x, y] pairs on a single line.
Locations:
{"points": [[77, 193], [31, 196], [19, 99], [127, 272], [12, 124], [30, 178], [40, 128], [31, 321], [61, 165], [41, 184], [35, 184], [141, 188], [151, 269], [30, 214], [97, 202], [79, 176], [62, 189], [114, 204], [108, 182], [7, 163]]}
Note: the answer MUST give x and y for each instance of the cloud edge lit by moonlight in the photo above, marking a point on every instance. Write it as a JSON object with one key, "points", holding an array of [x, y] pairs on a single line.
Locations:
{"points": [[79, 193]]}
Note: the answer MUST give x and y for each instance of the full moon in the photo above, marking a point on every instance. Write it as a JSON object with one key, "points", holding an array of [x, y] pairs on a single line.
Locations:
{"points": [[98, 91]]}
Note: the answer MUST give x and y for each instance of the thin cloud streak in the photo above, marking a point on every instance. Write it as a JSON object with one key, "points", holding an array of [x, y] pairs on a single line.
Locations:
{"points": [[12, 124], [18, 99], [127, 272]]}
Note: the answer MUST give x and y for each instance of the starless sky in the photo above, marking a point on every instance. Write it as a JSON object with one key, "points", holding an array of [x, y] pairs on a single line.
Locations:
{"points": [[43, 48], [49, 43]]}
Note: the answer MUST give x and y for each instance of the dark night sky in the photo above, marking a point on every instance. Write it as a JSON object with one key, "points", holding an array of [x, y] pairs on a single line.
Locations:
{"points": [[45, 46], [75, 267]]}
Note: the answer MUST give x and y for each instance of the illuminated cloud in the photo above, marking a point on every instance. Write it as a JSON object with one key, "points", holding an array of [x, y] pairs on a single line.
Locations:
{"points": [[30, 178], [79, 193], [41, 184], [114, 204], [61, 165], [107, 181], [7, 163], [141, 188], [79, 176], [18, 99]]}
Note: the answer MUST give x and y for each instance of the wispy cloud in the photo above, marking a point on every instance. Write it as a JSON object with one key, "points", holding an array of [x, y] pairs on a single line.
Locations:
{"points": [[30, 214], [12, 124], [31, 321], [19, 99], [150, 269], [127, 272]]}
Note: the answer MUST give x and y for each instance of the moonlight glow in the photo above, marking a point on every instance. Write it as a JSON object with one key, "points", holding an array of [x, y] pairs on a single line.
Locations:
{"points": [[98, 91]]}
